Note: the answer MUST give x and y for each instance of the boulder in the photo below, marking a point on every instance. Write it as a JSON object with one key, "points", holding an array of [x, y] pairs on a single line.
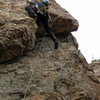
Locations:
{"points": [[17, 30], [17, 34], [62, 20]]}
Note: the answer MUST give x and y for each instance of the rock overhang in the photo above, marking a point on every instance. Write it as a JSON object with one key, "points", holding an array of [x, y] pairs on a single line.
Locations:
{"points": [[13, 14]]}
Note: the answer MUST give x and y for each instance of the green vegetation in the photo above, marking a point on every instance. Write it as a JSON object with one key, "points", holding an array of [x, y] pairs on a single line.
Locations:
{"points": [[95, 60]]}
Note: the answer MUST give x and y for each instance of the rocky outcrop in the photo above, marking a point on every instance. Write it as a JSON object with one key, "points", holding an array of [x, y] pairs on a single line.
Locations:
{"points": [[96, 69], [17, 35], [17, 30], [61, 19], [43, 73]]}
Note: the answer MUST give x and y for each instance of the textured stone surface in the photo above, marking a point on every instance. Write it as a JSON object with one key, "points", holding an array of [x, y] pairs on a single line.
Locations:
{"points": [[17, 30], [48, 74], [96, 68], [60, 17], [61, 20], [43, 73], [17, 34]]}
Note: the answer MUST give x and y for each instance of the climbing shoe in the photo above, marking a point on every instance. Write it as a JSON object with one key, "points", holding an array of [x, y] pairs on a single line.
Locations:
{"points": [[56, 45]]}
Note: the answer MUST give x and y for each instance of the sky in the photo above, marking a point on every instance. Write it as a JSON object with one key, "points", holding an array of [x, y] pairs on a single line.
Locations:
{"points": [[87, 12]]}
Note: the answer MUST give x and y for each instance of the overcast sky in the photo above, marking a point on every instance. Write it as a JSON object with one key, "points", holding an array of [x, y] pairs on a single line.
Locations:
{"points": [[87, 12]]}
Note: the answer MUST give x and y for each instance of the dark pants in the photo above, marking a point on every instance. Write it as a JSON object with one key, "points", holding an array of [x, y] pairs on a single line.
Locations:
{"points": [[44, 20]]}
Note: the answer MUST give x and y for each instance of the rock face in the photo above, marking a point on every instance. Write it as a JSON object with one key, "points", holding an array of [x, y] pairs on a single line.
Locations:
{"points": [[96, 68], [61, 19], [42, 73], [17, 30], [48, 74], [16, 35]]}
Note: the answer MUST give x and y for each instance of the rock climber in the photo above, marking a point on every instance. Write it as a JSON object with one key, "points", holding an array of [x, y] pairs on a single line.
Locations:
{"points": [[39, 10]]}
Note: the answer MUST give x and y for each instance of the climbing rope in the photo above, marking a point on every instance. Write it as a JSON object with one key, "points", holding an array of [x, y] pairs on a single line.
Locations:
{"points": [[9, 12], [25, 93]]}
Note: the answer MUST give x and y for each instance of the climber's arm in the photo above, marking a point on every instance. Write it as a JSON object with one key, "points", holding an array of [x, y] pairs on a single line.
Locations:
{"points": [[30, 12]]}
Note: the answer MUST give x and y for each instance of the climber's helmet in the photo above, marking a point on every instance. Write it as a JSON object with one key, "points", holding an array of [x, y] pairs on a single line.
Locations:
{"points": [[47, 2]]}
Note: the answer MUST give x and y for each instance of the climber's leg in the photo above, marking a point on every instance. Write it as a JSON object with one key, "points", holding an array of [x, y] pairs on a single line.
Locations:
{"points": [[51, 34]]}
